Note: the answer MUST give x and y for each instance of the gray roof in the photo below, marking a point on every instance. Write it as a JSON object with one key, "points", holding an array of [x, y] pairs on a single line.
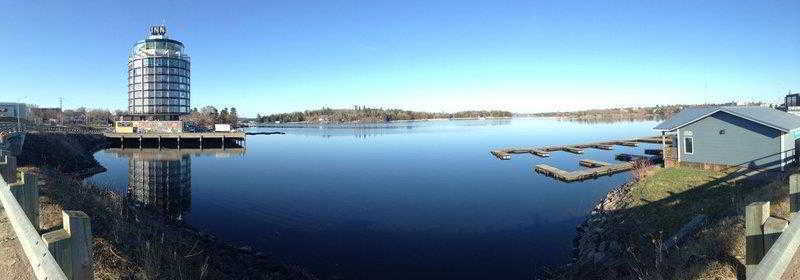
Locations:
{"points": [[766, 116]]}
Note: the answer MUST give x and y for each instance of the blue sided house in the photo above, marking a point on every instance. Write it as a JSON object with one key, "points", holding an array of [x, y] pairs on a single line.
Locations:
{"points": [[736, 136]]}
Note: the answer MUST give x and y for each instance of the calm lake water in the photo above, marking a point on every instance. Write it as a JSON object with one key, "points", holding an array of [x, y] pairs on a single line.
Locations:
{"points": [[408, 200]]}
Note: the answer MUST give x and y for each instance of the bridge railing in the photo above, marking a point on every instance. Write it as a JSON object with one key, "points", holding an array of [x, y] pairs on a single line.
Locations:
{"points": [[771, 249], [57, 255]]}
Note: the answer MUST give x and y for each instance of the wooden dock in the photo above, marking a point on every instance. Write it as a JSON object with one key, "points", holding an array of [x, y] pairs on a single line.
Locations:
{"points": [[595, 168], [505, 153], [583, 174], [572, 150], [592, 163], [654, 152], [630, 157]]}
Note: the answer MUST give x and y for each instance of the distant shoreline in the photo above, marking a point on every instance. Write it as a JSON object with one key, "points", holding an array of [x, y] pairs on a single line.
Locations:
{"points": [[379, 122]]}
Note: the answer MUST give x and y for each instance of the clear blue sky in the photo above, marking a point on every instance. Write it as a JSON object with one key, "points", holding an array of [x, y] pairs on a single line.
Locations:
{"points": [[523, 56]]}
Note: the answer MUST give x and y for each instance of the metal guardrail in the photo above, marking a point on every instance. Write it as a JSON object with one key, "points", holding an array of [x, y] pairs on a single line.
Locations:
{"points": [[57, 255], [778, 259], [41, 260], [771, 243]]}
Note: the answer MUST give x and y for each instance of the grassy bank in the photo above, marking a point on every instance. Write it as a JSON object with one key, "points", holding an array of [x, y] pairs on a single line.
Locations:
{"points": [[656, 206]]}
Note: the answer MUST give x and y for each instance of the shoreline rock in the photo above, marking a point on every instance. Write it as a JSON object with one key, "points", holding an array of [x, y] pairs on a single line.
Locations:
{"points": [[598, 243]]}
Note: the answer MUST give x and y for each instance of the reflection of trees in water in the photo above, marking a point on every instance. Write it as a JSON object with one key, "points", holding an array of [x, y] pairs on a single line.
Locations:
{"points": [[163, 185], [370, 130]]}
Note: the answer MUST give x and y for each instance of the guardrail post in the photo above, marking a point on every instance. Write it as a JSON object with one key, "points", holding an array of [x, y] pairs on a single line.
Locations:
{"points": [[72, 246], [756, 215], [8, 168], [794, 193], [773, 228], [26, 191]]}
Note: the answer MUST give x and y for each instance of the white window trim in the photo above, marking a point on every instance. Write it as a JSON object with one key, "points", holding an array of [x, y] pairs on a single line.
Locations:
{"points": [[684, 146], [783, 151]]}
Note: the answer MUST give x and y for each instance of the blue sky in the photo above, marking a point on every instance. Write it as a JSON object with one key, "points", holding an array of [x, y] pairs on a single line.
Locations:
{"points": [[523, 56]]}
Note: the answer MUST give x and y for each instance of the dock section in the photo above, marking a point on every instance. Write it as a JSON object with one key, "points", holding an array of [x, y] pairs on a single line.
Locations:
{"points": [[592, 163], [583, 174], [594, 168], [505, 153]]}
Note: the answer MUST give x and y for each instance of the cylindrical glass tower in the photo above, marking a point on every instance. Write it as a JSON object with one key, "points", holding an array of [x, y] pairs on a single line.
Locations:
{"points": [[158, 78]]}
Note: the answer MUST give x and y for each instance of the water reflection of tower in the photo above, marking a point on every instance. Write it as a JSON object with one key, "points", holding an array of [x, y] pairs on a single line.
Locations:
{"points": [[161, 183]]}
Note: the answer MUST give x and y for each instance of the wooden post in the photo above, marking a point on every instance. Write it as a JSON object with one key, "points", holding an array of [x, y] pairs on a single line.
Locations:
{"points": [[794, 193], [72, 246], [8, 169], [26, 192], [756, 215]]}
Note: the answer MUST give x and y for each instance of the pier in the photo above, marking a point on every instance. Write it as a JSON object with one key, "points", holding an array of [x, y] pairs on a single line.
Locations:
{"points": [[594, 168], [177, 140], [505, 153]]}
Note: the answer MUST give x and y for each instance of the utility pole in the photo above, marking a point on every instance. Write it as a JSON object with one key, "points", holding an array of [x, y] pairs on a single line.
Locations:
{"points": [[61, 109]]}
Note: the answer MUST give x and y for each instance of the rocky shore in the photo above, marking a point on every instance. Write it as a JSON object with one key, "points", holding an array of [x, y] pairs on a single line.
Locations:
{"points": [[599, 246]]}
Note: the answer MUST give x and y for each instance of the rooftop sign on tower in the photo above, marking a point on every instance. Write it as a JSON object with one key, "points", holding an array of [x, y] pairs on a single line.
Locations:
{"points": [[158, 30]]}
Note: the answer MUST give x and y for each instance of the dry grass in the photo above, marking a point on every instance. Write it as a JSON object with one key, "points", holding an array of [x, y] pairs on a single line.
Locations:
{"points": [[660, 202], [642, 169]]}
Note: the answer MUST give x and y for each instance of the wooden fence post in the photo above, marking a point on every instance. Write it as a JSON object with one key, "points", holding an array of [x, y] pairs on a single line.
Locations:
{"points": [[72, 246], [8, 168], [756, 215], [26, 191], [794, 193]]}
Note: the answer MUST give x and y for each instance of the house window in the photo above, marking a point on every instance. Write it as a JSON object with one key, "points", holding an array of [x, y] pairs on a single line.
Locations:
{"points": [[688, 146]]}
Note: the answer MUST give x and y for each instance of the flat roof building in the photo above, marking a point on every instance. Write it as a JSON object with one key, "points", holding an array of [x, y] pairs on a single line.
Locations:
{"points": [[158, 78], [9, 110]]}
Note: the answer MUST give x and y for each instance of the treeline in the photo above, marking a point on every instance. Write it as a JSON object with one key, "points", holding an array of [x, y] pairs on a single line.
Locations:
{"points": [[657, 112], [209, 115], [366, 114], [79, 116]]}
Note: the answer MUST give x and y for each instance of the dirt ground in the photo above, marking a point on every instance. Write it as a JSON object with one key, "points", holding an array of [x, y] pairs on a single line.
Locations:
{"points": [[13, 263]]}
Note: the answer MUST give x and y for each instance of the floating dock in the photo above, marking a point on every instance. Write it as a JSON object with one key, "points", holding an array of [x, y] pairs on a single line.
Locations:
{"points": [[583, 174], [594, 168], [592, 163], [505, 153], [573, 150], [654, 152], [629, 157]]}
